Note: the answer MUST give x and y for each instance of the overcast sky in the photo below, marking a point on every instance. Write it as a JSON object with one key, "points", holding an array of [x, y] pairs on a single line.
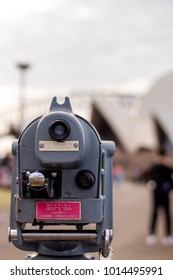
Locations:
{"points": [[85, 43]]}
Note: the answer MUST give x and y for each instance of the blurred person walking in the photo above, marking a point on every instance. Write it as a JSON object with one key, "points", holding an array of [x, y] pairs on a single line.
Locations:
{"points": [[159, 178]]}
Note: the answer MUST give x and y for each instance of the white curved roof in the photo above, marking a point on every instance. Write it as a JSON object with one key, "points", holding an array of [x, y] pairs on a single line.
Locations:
{"points": [[134, 131], [159, 103]]}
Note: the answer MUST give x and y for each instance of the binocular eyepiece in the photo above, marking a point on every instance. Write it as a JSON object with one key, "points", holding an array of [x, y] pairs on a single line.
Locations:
{"points": [[59, 130], [62, 186]]}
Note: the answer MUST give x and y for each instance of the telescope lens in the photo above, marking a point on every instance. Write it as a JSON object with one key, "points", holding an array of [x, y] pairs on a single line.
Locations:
{"points": [[85, 179], [59, 130]]}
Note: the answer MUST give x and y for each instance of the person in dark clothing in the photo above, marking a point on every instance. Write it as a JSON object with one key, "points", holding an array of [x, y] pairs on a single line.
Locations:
{"points": [[160, 182]]}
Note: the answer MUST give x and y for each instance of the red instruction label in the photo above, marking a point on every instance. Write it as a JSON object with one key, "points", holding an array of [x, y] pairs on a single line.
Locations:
{"points": [[63, 210]]}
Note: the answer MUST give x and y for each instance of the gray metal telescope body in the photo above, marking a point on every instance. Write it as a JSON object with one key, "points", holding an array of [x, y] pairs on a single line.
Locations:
{"points": [[60, 162]]}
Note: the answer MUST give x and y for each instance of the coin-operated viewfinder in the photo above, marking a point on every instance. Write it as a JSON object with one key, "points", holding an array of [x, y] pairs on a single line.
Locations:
{"points": [[61, 203]]}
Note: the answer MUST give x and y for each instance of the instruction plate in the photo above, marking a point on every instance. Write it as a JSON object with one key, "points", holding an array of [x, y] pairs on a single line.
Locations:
{"points": [[53, 146], [63, 210]]}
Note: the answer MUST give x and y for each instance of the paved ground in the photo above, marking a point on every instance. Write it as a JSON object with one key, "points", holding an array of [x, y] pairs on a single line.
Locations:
{"points": [[131, 212]]}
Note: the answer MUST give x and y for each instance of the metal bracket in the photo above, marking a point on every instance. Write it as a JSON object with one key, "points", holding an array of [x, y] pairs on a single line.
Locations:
{"points": [[109, 256], [106, 252]]}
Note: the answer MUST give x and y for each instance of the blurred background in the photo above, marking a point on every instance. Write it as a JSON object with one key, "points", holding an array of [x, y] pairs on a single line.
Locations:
{"points": [[114, 60]]}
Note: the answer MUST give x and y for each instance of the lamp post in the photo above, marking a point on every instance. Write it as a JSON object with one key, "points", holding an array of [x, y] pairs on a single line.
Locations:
{"points": [[23, 67]]}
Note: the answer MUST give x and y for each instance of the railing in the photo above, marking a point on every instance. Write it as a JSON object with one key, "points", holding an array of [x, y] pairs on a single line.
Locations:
{"points": [[81, 104], [12, 117]]}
